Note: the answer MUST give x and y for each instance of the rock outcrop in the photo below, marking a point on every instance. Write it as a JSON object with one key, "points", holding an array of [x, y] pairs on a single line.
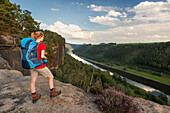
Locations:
{"points": [[58, 56], [4, 64], [13, 57], [6, 40], [147, 106], [15, 96]]}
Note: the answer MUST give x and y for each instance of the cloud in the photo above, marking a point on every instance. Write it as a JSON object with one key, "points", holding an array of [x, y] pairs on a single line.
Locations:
{"points": [[151, 32], [114, 13], [131, 34], [70, 31], [152, 11], [113, 17], [105, 20], [78, 4], [52, 9], [158, 37], [150, 23], [94, 7], [144, 13], [43, 25]]}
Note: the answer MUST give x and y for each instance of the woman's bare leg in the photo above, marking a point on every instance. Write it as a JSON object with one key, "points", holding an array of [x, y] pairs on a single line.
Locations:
{"points": [[32, 85], [51, 84]]}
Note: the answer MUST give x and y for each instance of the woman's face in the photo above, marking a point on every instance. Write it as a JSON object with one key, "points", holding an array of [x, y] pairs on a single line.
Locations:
{"points": [[42, 38]]}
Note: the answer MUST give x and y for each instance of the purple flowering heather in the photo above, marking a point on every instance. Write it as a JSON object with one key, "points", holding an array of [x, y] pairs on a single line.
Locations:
{"points": [[112, 101]]}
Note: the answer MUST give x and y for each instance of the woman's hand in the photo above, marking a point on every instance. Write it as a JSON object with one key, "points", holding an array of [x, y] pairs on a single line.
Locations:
{"points": [[44, 57], [43, 54]]}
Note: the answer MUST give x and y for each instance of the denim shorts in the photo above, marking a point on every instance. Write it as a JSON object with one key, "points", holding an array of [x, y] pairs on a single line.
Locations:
{"points": [[44, 72]]}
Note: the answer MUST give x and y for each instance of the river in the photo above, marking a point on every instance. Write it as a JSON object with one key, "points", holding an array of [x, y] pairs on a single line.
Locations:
{"points": [[142, 86]]}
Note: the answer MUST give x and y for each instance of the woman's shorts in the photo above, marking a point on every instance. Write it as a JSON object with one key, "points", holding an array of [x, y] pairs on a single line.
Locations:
{"points": [[44, 72]]}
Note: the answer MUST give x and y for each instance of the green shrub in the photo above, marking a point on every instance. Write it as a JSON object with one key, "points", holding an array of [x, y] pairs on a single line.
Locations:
{"points": [[96, 88]]}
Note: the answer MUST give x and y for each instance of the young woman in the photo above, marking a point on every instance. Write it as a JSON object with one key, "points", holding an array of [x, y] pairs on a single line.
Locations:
{"points": [[42, 69]]}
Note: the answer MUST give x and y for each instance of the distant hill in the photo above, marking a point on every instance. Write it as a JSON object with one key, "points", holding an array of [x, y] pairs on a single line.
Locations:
{"points": [[74, 45], [70, 47]]}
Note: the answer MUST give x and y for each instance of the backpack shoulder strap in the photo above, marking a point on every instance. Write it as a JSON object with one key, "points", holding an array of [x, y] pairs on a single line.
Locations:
{"points": [[37, 44]]}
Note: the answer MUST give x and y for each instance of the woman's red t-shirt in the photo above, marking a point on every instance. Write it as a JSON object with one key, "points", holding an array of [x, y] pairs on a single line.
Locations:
{"points": [[41, 47]]}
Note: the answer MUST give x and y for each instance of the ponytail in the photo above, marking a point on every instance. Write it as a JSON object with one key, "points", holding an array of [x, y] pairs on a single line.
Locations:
{"points": [[33, 35]]}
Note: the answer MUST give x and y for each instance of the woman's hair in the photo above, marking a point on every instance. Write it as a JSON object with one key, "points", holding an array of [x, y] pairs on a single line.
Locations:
{"points": [[36, 35]]}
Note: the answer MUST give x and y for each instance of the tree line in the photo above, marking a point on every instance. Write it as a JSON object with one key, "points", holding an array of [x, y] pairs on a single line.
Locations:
{"points": [[14, 19]]}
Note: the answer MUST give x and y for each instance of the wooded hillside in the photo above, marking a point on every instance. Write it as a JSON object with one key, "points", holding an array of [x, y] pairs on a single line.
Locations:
{"points": [[153, 56]]}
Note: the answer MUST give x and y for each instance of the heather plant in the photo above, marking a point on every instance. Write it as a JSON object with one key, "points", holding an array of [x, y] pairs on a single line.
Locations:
{"points": [[112, 101]]}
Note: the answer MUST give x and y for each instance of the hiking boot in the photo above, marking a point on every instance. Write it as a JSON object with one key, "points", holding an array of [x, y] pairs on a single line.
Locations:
{"points": [[36, 97], [54, 93]]}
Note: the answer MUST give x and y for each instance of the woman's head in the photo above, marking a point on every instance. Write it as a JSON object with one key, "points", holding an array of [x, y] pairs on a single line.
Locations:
{"points": [[37, 35]]}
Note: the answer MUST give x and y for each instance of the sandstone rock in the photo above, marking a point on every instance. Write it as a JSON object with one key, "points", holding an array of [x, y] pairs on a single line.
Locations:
{"points": [[147, 106], [4, 64], [16, 73], [15, 96], [6, 40], [7, 74], [13, 56], [58, 56]]}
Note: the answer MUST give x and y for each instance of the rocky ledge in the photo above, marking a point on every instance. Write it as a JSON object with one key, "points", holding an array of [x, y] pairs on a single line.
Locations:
{"points": [[147, 106], [15, 96]]}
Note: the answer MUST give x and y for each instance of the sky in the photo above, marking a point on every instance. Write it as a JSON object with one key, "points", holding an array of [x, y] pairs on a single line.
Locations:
{"points": [[103, 21]]}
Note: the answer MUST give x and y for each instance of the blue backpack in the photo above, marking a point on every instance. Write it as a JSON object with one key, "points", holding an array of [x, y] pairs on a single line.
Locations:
{"points": [[29, 54]]}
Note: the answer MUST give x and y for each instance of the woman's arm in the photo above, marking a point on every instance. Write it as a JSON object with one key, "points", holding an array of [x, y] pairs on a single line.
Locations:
{"points": [[43, 54]]}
